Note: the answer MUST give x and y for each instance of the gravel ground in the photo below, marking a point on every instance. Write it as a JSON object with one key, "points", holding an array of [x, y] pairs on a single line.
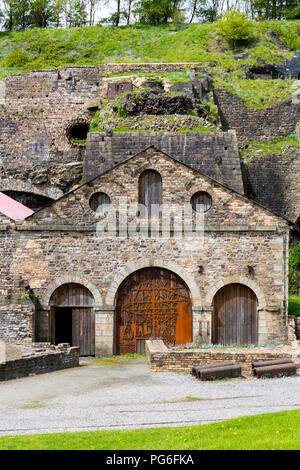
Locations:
{"points": [[129, 395]]}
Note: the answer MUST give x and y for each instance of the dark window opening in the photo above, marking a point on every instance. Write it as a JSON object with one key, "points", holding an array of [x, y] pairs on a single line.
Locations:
{"points": [[77, 133], [201, 201], [99, 202], [63, 325], [30, 200]]}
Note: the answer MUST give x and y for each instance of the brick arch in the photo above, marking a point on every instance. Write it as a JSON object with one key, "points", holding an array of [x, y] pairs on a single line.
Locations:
{"points": [[133, 266], [235, 280], [45, 300]]}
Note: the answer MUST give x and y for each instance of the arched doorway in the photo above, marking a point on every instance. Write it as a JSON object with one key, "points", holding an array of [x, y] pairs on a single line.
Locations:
{"points": [[235, 317], [72, 317], [152, 303]]}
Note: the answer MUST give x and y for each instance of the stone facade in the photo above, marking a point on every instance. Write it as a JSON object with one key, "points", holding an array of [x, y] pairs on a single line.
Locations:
{"points": [[273, 181], [252, 124], [59, 244]]}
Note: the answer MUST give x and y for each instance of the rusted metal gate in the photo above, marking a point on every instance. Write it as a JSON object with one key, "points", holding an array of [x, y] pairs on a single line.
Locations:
{"points": [[235, 318], [152, 303], [80, 300]]}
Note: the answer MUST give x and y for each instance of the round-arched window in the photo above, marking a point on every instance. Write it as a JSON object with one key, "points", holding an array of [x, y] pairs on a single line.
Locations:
{"points": [[100, 202], [201, 201]]}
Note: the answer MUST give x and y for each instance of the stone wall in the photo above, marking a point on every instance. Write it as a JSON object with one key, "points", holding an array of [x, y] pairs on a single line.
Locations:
{"points": [[184, 360], [2, 352], [60, 244], [273, 181], [216, 155], [39, 363], [252, 124]]}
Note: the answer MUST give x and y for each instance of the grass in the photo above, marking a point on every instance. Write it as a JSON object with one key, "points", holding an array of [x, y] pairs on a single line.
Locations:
{"points": [[276, 431], [274, 146], [294, 306], [276, 42]]}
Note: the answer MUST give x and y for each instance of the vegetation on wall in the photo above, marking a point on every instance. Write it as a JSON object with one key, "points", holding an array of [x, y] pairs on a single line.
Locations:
{"points": [[294, 268], [274, 146]]}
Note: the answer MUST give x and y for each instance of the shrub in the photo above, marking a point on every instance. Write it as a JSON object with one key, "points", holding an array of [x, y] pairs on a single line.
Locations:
{"points": [[236, 27], [293, 14], [294, 267], [17, 59]]}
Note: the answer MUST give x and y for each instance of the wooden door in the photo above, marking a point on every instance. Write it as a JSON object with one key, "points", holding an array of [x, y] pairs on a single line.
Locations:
{"points": [[83, 330], [235, 318], [150, 191], [153, 303]]}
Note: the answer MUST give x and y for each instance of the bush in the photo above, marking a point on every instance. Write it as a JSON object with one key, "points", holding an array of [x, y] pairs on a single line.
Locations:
{"points": [[294, 306], [16, 59], [236, 27], [294, 268], [293, 14]]}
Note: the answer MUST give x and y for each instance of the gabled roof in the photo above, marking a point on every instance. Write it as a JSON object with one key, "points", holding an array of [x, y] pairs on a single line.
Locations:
{"points": [[177, 161], [13, 209]]}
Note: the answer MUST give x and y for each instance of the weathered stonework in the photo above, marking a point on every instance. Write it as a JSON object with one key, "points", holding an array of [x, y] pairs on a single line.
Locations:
{"points": [[60, 244], [252, 124]]}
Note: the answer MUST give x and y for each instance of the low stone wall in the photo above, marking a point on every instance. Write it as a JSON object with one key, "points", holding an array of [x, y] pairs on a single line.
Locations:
{"points": [[297, 327], [40, 363], [161, 358]]}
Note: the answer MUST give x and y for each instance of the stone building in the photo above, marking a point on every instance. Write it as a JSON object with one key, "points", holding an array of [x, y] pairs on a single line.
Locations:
{"points": [[69, 274]]}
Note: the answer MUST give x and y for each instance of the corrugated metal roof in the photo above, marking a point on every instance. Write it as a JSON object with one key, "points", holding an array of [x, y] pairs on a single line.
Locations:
{"points": [[13, 209]]}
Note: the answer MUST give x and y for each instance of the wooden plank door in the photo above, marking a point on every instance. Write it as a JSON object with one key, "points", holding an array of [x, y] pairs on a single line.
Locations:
{"points": [[235, 318], [83, 330]]}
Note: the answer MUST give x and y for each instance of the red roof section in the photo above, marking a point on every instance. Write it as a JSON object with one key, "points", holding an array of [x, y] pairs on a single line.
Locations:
{"points": [[13, 209]]}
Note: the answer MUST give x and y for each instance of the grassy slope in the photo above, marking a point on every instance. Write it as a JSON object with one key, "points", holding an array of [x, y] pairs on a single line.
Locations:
{"points": [[294, 306], [269, 431], [275, 42]]}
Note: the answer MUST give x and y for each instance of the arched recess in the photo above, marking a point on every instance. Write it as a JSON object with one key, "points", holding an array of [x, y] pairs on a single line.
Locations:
{"points": [[70, 278], [133, 266], [235, 316], [72, 317], [236, 280], [152, 303]]}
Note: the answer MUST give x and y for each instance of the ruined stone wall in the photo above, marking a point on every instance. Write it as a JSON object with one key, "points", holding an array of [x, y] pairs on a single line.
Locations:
{"points": [[252, 124], [273, 181]]}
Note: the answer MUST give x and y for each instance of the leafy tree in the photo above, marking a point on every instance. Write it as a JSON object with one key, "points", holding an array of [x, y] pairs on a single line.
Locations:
{"points": [[42, 13], [157, 11], [76, 13], [17, 14]]}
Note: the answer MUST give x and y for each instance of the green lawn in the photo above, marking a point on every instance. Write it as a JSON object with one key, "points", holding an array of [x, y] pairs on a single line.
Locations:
{"points": [[269, 432], [294, 306]]}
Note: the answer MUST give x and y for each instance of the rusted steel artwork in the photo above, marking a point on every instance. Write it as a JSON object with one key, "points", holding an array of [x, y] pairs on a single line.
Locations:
{"points": [[153, 303]]}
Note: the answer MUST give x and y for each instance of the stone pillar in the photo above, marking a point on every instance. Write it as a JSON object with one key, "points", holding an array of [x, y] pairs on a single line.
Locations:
{"points": [[104, 330], [202, 325]]}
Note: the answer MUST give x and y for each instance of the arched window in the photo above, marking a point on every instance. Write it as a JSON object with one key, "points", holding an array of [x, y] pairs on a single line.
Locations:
{"points": [[150, 190], [99, 202]]}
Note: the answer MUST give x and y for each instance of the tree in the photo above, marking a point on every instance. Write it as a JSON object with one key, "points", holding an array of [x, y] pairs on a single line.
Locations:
{"points": [[92, 4], [17, 14], [42, 13], [157, 11], [76, 13]]}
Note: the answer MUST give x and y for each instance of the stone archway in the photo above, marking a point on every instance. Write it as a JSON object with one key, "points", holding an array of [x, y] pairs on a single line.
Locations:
{"points": [[133, 266], [152, 303], [235, 316], [236, 280], [72, 317]]}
